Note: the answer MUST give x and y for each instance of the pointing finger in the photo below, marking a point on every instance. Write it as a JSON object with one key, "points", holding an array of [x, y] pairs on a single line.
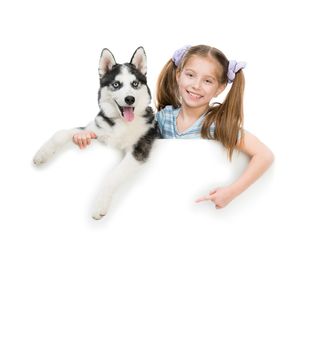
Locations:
{"points": [[201, 199], [205, 198]]}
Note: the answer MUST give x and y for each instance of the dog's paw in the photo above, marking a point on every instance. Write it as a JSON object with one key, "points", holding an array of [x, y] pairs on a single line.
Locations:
{"points": [[97, 215], [43, 155], [101, 209], [39, 158]]}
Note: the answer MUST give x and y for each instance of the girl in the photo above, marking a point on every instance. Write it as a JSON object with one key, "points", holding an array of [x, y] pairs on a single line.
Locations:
{"points": [[185, 87]]}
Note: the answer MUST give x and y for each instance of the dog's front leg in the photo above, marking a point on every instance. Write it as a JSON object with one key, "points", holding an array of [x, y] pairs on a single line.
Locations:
{"points": [[57, 141], [125, 169]]}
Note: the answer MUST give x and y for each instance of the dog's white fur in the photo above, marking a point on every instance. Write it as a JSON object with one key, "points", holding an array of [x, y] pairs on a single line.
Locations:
{"points": [[123, 136]]}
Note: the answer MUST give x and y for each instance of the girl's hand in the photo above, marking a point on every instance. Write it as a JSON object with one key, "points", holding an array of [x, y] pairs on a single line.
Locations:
{"points": [[83, 138], [220, 197]]}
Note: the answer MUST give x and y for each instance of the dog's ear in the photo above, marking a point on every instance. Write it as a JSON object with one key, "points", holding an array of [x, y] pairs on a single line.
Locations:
{"points": [[107, 61], [139, 60]]}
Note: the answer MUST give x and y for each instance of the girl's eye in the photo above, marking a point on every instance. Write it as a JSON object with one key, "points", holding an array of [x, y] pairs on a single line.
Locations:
{"points": [[208, 82], [189, 75], [135, 83], [116, 85]]}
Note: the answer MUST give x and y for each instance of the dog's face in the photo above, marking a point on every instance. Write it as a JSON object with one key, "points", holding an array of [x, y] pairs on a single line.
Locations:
{"points": [[123, 87]]}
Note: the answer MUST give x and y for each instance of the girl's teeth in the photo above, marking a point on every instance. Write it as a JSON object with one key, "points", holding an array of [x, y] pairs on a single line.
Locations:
{"points": [[194, 95]]}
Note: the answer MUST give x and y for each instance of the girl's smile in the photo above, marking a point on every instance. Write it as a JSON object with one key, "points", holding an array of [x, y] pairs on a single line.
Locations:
{"points": [[193, 95], [198, 82]]}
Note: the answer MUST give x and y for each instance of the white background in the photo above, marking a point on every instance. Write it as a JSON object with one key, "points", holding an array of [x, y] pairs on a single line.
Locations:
{"points": [[159, 272]]}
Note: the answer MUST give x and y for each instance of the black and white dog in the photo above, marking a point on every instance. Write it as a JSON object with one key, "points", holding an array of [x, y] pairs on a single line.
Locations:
{"points": [[125, 121]]}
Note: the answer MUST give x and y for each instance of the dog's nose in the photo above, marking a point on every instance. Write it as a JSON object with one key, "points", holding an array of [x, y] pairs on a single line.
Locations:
{"points": [[129, 100]]}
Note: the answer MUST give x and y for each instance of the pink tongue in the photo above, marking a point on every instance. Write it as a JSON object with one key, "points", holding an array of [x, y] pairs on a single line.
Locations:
{"points": [[128, 114]]}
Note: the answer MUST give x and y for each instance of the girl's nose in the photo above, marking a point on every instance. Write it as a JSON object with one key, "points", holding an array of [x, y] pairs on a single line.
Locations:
{"points": [[197, 83]]}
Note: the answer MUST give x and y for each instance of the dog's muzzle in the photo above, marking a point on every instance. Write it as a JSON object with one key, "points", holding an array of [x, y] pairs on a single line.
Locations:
{"points": [[127, 112]]}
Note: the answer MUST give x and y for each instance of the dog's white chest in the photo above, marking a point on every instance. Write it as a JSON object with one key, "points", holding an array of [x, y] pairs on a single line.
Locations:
{"points": [[123, 135]]}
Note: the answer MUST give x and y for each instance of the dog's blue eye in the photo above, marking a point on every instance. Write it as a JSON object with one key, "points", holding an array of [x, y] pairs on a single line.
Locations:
{"points": [[116, 85], [135, 83]]}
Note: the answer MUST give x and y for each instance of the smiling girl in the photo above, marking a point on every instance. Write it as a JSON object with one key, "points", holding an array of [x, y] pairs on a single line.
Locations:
{"points": [[186, 85]]}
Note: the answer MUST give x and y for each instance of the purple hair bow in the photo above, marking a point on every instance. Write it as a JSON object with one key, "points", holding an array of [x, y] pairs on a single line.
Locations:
{"points": [[178, 54], [233, 68]]}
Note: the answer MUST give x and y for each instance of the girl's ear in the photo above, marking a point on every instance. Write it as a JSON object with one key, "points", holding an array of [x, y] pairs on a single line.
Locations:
{"points": [[177, 75], [220, 89]]}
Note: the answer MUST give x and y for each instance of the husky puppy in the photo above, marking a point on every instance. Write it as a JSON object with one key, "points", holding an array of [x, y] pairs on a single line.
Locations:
{"points": [[125, 121]]}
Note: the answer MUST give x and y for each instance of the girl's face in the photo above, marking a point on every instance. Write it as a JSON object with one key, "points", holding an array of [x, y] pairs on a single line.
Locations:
{"points": [[198, 82]]}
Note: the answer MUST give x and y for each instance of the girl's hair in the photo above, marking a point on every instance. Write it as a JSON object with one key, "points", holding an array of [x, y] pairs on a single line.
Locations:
{"points": [[227, 116]]}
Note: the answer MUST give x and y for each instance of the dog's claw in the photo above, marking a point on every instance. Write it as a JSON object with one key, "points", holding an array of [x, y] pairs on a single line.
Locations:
{"points": [[99, 214], [102, 208], [38, 161]]}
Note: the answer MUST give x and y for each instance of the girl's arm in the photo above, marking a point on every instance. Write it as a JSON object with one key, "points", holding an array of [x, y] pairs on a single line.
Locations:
{"points": [[261, 159]]}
